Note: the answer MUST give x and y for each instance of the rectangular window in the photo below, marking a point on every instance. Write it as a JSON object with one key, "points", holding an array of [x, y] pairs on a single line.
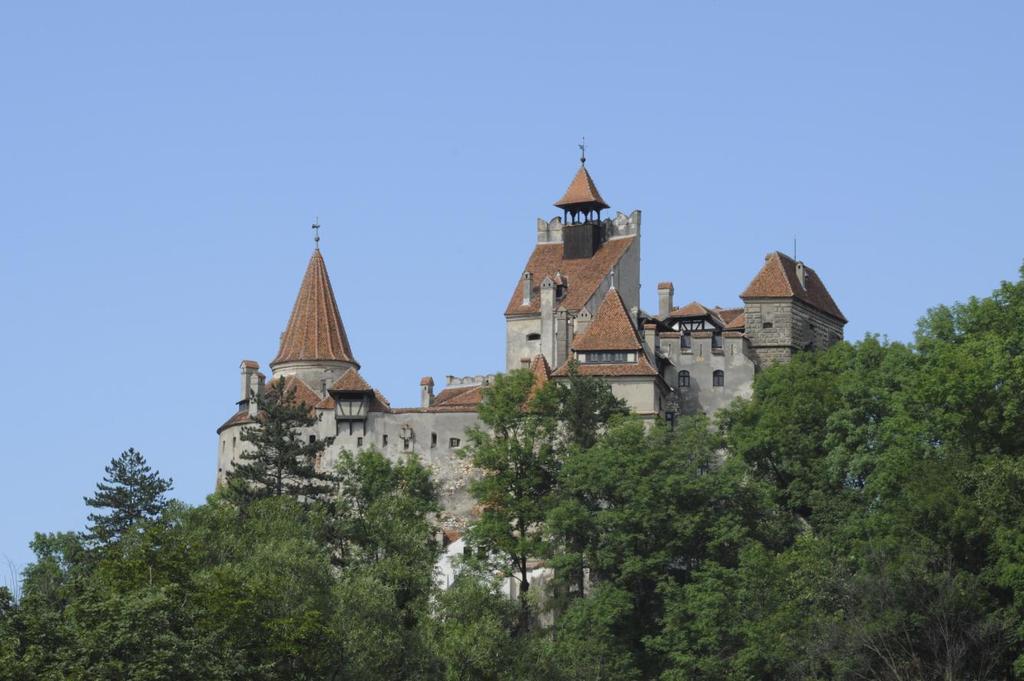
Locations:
{"points": [[433, 439], [312, 439], [384, 439], [716, 340], [359, 442], [454, 442], [685, 342], [610, 357]]}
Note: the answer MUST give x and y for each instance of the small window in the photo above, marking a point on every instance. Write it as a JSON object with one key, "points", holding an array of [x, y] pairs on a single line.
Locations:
{"points": [[384, 439], [312, 439], [716, 340], [405, 444], [685, 341], [433, 439], [532, 336], [454, 442], [684, 379], [359, 442], [718, 378], [767, 325]]}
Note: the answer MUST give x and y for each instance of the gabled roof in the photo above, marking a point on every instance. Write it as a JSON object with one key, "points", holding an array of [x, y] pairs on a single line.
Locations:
{"points": [[351, 382], [583, 275], [315, 331], [693, 309], [612, 329], [729, 314], [737, 323], [778, 279], [303, 393], [581, 192]]}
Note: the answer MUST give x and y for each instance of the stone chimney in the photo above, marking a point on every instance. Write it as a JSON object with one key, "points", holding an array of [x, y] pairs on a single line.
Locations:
{"points": [[582, 322], [665, 292], [527, 288], [800, 274], [651, 339], [547, 318], [426, 391], [249, 381]]}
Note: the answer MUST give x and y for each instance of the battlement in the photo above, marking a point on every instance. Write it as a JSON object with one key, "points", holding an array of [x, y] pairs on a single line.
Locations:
{"points": [[622, 225], [466, 381]]}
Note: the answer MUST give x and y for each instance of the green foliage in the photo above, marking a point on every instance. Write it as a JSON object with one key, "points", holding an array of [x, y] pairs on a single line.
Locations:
{"points": [[280, 461], [860, 516], [132, 491], [519, 461]]}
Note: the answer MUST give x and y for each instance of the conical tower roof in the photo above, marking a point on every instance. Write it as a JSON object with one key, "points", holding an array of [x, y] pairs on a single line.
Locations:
{"points": [[315, 331], [582, 193]]}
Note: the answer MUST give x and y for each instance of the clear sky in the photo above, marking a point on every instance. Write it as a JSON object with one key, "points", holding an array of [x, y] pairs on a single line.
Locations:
{"points": [[161, 163]]}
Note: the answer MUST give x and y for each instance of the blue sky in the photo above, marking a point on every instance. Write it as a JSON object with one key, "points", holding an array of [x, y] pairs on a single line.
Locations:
{"points": [[161, 165]]}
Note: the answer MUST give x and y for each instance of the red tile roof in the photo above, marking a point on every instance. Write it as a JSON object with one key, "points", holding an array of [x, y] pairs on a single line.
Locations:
{"points": [[303, 393], [585, 275], [250, 364], [239, 419], [541, 371], [427, 380], [462, 396], [581, 192], [693, 309], [728, 314], [739, 322], [315, 331], [352, 382], [778, 279], [612, 329]]}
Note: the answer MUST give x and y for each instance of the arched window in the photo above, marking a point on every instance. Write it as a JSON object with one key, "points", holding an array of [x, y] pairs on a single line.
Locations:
{"points": [[532, 336], [684, 379], [718, 378]]}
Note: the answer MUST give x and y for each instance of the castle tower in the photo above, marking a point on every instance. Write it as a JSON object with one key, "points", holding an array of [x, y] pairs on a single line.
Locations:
{"points": [[786, 309], [314, 346], [567, 275]]}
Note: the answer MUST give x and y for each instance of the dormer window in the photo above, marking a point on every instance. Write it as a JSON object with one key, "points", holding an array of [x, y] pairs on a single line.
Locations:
{"points": [[608, 357], [560, 291]]}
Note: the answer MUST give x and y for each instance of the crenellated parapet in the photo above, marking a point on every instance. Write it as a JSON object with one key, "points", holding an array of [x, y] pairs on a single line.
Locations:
{"points": [[552, 231]]}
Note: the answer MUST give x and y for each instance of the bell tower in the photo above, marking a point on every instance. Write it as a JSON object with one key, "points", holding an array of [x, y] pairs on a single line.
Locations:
{"points": [[581, 205]]}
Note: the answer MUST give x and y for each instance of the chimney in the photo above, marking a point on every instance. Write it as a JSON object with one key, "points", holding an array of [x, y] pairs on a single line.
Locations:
{"points": [[527, 288], [249, 371], [650, 339], [547, 318], [800, 274], [426, 391], [582, 322], [665, 292]]}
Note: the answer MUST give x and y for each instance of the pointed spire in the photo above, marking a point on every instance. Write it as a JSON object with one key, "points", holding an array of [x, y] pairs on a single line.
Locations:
{"points": [[582, 193], [315, 331]]}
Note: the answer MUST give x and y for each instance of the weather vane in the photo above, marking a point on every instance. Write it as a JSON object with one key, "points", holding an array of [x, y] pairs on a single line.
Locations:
{"points": [[316, 232], [583, 150]]}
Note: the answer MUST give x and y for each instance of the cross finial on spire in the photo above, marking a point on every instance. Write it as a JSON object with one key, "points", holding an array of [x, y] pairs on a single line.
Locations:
{"points": [[316, 232], [583, 150]]}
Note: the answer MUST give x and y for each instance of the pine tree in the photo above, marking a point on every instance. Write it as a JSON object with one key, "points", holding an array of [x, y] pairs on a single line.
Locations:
{"points": [[132, 491], [281, 462]]}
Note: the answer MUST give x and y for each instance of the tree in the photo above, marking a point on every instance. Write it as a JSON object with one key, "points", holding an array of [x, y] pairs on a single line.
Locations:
{"points": [[518, 461], [132, 491], [583, 406], [281, 462]]}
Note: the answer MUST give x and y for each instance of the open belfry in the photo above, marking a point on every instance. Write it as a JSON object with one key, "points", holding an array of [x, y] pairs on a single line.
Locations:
{"points": [[578, 300]]}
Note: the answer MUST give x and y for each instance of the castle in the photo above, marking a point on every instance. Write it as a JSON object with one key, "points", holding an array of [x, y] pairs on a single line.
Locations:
{"points": [[578, 299]]}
